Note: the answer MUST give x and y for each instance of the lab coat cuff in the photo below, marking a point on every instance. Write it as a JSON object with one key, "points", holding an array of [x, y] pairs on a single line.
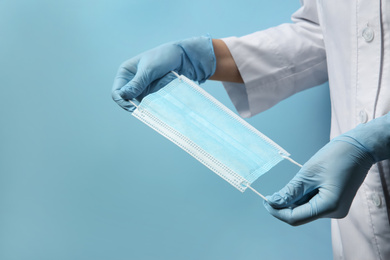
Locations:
{"points": [[246, 96], [268, 76]]}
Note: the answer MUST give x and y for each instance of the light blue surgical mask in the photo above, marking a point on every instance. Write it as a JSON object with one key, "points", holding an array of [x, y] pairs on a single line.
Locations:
{"points": [[202, 126]]}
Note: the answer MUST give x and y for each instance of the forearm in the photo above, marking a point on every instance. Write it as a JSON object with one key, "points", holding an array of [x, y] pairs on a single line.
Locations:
{"points": [[226, 69]]}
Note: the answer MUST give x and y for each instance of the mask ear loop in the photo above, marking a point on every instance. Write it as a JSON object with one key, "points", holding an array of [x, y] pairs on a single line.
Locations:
{"points": [[176, 74], [246, 184], [134, 104], [258, 193], [291, 160]]}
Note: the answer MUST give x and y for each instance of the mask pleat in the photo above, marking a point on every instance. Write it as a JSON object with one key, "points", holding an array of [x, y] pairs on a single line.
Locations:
{"points": [[202, 126]]}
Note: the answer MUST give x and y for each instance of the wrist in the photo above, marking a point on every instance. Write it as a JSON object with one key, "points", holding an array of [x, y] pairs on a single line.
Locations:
{"points": [[374, 136], [198, 53], [226, 69]]}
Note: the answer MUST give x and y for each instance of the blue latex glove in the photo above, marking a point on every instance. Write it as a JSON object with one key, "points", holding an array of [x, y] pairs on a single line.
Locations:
{"points": [[148, 72], [328, 182]]}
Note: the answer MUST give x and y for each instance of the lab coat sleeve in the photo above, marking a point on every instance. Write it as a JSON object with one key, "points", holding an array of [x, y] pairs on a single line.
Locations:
{"points": [[278, 62]]}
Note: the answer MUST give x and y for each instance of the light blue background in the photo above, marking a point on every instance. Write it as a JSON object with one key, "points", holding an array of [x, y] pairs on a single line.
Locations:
{"points": [[80, 178]]}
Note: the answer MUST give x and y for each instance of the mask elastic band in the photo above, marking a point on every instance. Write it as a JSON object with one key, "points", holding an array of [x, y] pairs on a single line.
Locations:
{"points": [[258, 193], [133, 103], [177, 75], [291, 160]]}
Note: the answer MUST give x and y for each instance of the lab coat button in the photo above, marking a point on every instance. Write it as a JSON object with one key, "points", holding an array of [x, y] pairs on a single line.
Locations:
{"points": [[363, 116], [376, 200], [368, 34]]}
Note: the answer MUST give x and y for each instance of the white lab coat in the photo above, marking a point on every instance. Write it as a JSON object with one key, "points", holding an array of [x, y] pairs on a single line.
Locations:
{"points": [[348, 43]]}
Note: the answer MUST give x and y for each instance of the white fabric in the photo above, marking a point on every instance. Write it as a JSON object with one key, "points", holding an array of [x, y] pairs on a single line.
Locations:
{"points": [[326, 42]]}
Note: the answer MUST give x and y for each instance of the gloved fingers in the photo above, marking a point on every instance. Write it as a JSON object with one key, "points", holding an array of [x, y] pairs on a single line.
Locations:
{"points": [[306, 181], [136, 85], [323, 204], [126, 105], [294, 191], [293, 216], [133, 77], [296, 216], [156, 85], [125, 73], [305, 198], [151, 66], [123, 76], [153, 87]]}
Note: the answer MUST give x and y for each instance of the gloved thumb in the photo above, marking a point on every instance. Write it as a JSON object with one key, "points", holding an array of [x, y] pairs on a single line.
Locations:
{"points": [[137, 85]]}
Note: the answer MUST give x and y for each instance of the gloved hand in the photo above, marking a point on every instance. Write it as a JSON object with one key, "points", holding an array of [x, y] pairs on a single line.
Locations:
{"points": [[328, 182], [147, 72]]}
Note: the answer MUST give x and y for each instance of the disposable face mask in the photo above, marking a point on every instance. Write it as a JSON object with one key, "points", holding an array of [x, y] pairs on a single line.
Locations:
{"points": [[203, 127]]}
